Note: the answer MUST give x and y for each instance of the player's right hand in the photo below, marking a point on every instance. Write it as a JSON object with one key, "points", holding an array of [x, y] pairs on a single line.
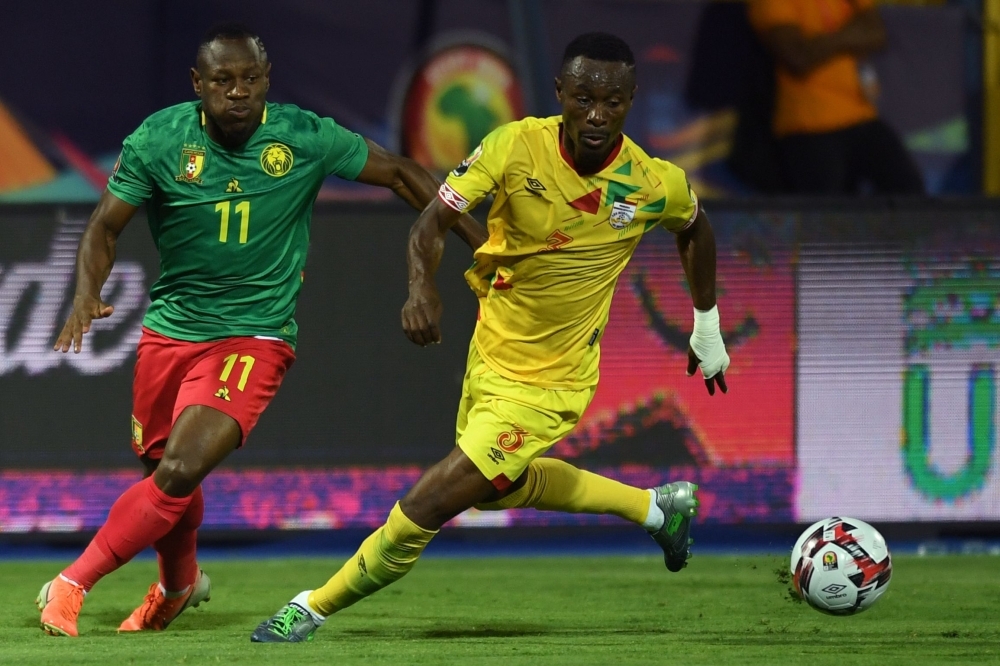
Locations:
{"points": [[85, 310], [422, 315]]}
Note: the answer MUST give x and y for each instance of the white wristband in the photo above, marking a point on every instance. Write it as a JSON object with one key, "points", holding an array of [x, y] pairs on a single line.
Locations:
{"points": [[706, 342]]}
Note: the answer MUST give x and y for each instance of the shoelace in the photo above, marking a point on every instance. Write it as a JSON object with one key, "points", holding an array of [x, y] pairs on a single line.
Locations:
{"points": [[290, 615], [75, 595], [149, 603]]}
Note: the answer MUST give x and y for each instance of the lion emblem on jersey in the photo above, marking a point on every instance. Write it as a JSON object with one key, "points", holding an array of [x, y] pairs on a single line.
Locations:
{"points": [[276, 160]]}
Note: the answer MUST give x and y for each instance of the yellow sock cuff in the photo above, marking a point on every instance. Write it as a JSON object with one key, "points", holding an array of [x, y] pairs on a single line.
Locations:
{"points": [[401, 530]]}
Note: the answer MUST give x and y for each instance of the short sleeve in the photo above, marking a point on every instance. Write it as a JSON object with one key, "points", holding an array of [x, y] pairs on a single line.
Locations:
{"points": [[481, 173], [130, 180], [765, 14], [681, 207], [347, 153]]}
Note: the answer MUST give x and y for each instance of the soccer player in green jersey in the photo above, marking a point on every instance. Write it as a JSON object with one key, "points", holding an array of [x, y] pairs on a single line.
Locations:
{"points": [[229, 183]]}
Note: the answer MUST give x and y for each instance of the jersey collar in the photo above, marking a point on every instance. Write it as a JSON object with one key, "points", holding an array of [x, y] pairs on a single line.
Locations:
{"points": [[263, 118], [607, 162]]}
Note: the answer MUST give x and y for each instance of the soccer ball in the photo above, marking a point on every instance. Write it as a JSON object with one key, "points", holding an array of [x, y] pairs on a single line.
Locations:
{"points": [[841, 566]]}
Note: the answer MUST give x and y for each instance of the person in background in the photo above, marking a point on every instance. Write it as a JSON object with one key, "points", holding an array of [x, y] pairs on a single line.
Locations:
{"points": [[831, 140]]}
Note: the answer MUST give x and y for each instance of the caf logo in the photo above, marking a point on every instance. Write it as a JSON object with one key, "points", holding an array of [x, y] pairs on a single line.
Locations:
{"points": [[276, 160]]}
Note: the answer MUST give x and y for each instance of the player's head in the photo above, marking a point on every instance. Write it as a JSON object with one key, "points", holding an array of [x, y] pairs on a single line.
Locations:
{"points": [[595, 87], [231, 76]]}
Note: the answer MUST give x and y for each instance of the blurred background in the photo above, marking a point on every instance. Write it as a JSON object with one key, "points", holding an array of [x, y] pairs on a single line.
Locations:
{"points": [[862, 316]]}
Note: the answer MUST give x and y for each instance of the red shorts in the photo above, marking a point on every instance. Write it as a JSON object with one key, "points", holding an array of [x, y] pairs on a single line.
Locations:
{"points": [[237, 376]]}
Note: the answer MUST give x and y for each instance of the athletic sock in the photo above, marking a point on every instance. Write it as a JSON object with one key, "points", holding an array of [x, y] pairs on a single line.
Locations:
{"points": [[384, 557], [655, 517], [554, 485], [177, 552], [142, 515]]}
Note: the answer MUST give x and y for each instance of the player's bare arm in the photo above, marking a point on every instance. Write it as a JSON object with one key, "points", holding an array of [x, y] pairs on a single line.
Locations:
{"points": [[414, 185], [800, 54], [94, 260], [422, 311], [696, 246]]}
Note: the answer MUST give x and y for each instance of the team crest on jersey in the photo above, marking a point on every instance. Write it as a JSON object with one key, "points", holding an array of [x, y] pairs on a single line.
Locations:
{"points": [[622, 212], [276, 160], [137, 436], [192, 164], [468, 161]]}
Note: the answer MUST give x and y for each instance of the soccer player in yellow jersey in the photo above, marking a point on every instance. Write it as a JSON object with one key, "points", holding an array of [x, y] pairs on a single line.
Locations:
{"points": [[572, 198]]}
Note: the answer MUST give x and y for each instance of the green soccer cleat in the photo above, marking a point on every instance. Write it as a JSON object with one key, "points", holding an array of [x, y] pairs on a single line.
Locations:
{"points": [[679, 505], [294, 623]]}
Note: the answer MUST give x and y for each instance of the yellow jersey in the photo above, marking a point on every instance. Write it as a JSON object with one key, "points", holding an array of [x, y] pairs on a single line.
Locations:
{"points": [[558, 242]]}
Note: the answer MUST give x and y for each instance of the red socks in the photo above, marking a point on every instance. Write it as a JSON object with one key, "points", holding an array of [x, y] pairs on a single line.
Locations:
{"points": [[140, 517], [176, 552]]}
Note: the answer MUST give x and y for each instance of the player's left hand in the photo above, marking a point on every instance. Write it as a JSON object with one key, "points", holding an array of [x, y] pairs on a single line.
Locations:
{"points": [[707, 350], [422, 315], [710, 381]]}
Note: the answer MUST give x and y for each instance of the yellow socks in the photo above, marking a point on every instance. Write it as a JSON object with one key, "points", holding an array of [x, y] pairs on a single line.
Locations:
{"points": [[384, 557], [392, 550], [554, 485]]}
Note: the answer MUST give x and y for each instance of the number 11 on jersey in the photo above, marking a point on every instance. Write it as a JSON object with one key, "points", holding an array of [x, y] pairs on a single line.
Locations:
{"points": [[243, 210]]}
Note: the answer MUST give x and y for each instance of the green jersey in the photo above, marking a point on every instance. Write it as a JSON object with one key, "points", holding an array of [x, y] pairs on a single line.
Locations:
{"points": [[231, 226]]}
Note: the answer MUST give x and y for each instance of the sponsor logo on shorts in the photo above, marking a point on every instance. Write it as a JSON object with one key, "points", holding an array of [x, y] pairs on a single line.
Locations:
{"points": [[233, 186], [137, 435], [362, 567], [495, 455], [223, 393], [512, 440]]}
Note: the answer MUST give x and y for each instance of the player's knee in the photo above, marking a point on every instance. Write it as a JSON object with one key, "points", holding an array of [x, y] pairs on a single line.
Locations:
{"points": [[177, 477]]}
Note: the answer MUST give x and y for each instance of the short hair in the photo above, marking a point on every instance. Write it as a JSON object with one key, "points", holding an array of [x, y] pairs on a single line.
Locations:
{"points": [[599, 46], [229, 31]]}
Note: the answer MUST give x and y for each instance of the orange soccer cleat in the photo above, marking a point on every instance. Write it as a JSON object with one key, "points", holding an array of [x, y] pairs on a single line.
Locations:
{"points": [[60, 602], [157, 611]]}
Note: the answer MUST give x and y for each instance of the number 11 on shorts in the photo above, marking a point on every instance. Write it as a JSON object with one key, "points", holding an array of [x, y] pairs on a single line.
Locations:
{"points": [[247, 362]]}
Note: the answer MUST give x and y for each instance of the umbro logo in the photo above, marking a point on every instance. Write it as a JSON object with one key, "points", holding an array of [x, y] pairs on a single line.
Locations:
{"points": [[535, 185]]}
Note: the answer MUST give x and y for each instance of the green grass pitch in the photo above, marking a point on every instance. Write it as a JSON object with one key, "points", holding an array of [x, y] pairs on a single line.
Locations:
{"points": [[569, 610]]}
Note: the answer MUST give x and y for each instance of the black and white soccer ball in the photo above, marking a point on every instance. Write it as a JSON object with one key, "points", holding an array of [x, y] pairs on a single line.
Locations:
{"points": [[841, 566]]}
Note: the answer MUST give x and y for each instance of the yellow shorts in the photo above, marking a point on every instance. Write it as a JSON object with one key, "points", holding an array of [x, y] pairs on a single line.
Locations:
{"points": [[503, 424]]}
